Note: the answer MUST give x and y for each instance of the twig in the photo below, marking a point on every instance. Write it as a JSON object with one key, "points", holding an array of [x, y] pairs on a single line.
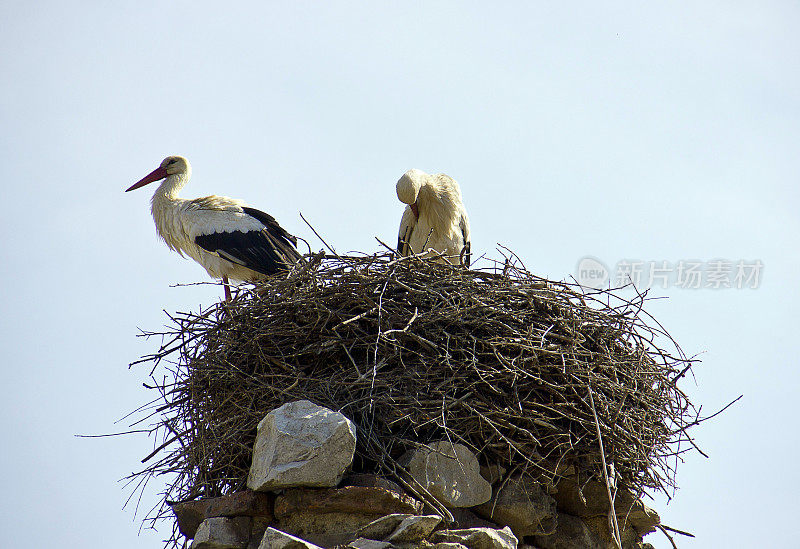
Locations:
{"points": [[330, 249], [681, 532], [664, 531], [612, 510]]}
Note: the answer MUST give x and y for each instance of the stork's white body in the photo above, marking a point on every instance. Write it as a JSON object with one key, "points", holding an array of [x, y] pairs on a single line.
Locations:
{"points": [[227, 237], [440, 223], [179, 222]]}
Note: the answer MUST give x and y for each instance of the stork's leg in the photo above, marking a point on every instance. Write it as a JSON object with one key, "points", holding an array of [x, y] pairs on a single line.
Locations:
{"points": [[227, 288]]}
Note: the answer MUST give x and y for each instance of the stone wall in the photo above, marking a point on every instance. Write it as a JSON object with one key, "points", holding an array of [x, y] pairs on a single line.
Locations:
{"points": [[303, 494]]}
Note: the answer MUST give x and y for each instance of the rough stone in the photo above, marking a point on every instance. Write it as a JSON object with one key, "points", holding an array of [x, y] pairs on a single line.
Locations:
{"points": [[370, 481], [630, 511], [587, 499], [325, 529], [450, 472], [492, 473], [351, 499], [257, 528], [276, 539], [478, 538], [301, 444], [559, 470], [414, 528], [631, 539], [642, 518], [522, 504], [571, 533], [190, 514], [465, 518], [383, 527], [364, 543], [222, 533], [332, 516], [449, 545]]}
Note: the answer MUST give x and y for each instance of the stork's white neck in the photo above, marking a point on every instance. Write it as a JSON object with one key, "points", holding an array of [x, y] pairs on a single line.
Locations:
{"points": [[165, 206], [171, 186]]}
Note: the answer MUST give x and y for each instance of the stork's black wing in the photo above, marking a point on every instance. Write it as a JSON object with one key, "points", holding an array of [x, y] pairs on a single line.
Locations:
{"points": [[271, 225], [402, 242], [466, 251], [267, 251], [407, 225]]}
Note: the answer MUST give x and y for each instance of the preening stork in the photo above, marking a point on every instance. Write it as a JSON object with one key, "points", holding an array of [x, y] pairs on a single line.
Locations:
{"points": [[434, 218], [228, 238]]}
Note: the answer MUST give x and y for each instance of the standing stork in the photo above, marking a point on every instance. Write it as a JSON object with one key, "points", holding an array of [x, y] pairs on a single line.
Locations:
{"points": [[434, 218], [228, 238]]}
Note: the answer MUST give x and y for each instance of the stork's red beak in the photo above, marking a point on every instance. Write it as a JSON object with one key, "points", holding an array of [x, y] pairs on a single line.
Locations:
{"points": [[155, 175], [414, 208]]}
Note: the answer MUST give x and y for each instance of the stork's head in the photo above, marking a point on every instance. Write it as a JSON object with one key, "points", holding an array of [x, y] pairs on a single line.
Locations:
{"points": [[408, 188], [171, 165]]}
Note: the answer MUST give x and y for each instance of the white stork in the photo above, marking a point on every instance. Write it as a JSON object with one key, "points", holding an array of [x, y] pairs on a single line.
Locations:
{"points": [[228, 238], [434, 218]]}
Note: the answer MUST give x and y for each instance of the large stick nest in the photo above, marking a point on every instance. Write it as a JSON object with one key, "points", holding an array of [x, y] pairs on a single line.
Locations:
{"points": [[522, 370]]}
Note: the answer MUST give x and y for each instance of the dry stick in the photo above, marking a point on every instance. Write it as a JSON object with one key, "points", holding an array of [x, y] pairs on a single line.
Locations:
{"points": [[114, 434], [382, 243], [664, 531], [414, 486], [157, 450], [731, 403], [612, 511], [404, 330], [357, 317], [681, 532], [318, 236], [378, 338]]}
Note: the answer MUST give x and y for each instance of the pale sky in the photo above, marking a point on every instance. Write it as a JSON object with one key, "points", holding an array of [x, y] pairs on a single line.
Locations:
{"points": [[622, 131]]}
